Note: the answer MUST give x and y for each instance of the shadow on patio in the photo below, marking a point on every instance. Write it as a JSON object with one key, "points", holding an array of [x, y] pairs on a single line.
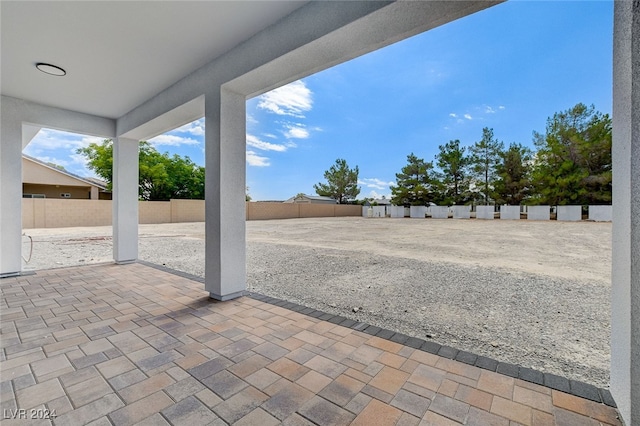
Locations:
{"points": [[133, 344]]}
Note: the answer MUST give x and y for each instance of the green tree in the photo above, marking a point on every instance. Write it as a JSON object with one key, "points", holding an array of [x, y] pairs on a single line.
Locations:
{"points": [[453, 178], [342, 182], [484, 157], [573, 162], [161, 177], [414, 184], [100, 160], [513, 183]]}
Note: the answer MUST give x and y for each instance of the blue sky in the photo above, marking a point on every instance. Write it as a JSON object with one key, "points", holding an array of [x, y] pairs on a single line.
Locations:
{"points": [[508, 68]]}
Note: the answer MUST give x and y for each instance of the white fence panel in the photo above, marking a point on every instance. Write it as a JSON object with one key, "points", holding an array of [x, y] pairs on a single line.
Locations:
{"points": [[461, 212], [539, 213], [397, 211], [417, 212], [569, 213], [439, 212], [484, 212], [379, 211], [510, 212], [600, 213]]}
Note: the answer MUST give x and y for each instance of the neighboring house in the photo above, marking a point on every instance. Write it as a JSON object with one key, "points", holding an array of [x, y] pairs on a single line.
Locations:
{"points": [[311, 199], [42, 180]]}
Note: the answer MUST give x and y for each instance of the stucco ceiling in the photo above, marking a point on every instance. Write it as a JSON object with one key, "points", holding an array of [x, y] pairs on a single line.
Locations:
{"points": [[118, 54]]}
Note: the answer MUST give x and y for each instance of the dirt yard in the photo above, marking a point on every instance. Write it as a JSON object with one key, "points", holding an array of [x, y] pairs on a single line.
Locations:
{"points": [[530, 293]]}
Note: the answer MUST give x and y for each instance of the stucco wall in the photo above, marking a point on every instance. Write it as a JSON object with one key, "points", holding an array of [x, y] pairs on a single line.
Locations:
{"points": [[53, 191]]}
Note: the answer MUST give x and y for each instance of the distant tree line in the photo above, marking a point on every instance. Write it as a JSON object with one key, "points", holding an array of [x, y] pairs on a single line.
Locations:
{"points": [[571, 165]]}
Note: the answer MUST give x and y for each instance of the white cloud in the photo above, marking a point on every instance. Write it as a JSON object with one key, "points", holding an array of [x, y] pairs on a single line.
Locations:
{"points": [[256, 160], [295, 131], [294, 100], [376, 195], [454, 115], [195, 128], [269, 135], [501, 107], [468, 117], [48, 139], [375, 183], [251, 119], [172, 140], [489, 110], [265, 146]]}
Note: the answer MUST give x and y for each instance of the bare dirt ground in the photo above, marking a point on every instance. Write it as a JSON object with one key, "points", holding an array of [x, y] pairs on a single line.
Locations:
{"points": [[530, 293]]}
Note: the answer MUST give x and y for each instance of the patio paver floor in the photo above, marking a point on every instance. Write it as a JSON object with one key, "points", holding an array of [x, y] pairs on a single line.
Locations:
{"points": [[130, 344]]}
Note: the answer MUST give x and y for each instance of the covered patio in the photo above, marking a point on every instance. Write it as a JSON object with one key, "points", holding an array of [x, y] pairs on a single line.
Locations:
{"points": [[125, 79], [136, 344]]}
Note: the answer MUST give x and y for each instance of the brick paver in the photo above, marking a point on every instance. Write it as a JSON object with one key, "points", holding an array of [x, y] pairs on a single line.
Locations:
{"points": [[134, 344]]}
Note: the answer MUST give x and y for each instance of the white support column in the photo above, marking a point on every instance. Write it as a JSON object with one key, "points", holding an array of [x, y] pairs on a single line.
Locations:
{"points": [[10, 196], [225, 136], [125, 200], [625, 293]]}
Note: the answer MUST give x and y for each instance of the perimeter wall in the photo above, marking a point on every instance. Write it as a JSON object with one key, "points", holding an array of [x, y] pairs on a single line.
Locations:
{"points": [[56, 213]]}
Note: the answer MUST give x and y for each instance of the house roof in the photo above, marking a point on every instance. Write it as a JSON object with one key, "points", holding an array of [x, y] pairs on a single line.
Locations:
{"points": [[88, 181], [310, 197]]}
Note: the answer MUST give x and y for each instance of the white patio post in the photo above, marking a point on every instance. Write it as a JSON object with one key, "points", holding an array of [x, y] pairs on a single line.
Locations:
{"points": [[625, 294], [10, 196], [125, 200], [225, 136]]}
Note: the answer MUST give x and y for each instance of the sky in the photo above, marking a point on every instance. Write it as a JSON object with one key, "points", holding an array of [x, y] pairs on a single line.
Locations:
{"points": [[509, 68]]}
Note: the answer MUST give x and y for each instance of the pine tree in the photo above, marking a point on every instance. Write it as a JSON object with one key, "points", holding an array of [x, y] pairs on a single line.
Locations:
{"points": [[414, 185]]}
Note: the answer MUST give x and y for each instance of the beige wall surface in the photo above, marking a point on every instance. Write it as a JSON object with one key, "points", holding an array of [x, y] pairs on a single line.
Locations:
{"points": [[261, 211], [61, 213], [33, 172], [54, 191], [187, 211], [57, 213], [154, 212]]}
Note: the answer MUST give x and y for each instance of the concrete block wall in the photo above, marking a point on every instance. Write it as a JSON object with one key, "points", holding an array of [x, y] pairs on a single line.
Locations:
{"points": [[485, 212], [63, 213], [510, 212], [154, 212], [346, 210], [186, 211], [264, 211], [317, 210], [569, 213], [538, 212]]}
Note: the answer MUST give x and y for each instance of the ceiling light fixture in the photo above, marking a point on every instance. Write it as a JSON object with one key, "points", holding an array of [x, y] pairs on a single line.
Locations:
{"points": [[51, 69]]}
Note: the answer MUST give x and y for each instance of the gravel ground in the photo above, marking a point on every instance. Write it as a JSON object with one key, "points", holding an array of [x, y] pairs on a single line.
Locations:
{"points": [[529, 293]]}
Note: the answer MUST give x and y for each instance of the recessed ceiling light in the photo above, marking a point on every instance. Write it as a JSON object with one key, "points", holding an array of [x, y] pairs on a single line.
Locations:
{"points": [[51, 69]]}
